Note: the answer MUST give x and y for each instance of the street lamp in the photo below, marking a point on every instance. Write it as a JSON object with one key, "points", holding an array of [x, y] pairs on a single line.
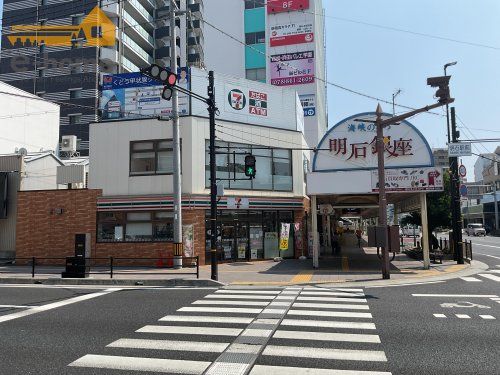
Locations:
{"points": [[447, 112], [394, 101]]}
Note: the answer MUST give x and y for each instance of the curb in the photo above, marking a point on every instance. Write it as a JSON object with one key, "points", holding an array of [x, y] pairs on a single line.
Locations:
{"points": [[116, 282]]}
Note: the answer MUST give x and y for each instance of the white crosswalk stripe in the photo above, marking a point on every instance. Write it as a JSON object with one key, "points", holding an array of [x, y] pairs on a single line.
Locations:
{"points": [[490, 275], [303, 325]]}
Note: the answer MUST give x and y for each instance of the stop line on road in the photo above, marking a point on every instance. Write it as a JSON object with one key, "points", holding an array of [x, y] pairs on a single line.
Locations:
{"points": [[242, 330]]}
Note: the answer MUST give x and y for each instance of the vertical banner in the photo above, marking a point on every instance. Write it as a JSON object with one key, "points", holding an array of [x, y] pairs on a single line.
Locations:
{"points": [[297, 233], [188, 240], [284, 234]]}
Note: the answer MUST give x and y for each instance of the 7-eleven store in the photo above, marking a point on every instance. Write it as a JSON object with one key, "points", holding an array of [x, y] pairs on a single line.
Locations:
{"points": [[247, 232], [135, 210]]}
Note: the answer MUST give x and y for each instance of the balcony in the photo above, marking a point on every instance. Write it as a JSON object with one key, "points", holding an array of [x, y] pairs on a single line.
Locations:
{"points": [[162, 53], [137, 32], [139, 14], [162, 32], [109, 56], [111, 8], [135, 53]]}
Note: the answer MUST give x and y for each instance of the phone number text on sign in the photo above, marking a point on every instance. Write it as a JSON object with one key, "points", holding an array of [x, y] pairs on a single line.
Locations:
{"points": [[292, 69]]}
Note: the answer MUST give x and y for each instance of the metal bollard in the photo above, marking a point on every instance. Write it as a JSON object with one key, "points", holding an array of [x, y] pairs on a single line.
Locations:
{"points": [[111, 267], [33, 261]]}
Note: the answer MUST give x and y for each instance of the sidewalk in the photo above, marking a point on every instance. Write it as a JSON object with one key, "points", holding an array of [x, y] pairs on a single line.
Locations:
{"points": [[352, 266]]}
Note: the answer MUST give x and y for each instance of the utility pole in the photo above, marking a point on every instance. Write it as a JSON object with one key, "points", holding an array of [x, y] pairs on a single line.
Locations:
{"points": [[213, 179], [178, 245], [382, 196], [456, 220], [447, 111], [496, 203]]}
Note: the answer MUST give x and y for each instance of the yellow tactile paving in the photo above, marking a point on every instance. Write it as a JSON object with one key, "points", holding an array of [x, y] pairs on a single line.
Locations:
{"points": [[303, 276]]}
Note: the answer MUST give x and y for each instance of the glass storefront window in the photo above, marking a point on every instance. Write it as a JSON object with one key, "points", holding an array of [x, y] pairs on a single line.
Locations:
{"points": [[274, 167]]}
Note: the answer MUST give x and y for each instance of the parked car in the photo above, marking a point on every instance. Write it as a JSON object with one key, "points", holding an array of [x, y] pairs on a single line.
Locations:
{"points": [[411, 231], [476, 229]]}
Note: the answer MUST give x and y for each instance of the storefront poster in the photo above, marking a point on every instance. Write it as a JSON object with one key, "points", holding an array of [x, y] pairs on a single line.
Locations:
{"points": [[308, 102], [290, 34], [133, 95], [410, 179], [278, 6], [290, 69], [188, 240], [284, 234]]}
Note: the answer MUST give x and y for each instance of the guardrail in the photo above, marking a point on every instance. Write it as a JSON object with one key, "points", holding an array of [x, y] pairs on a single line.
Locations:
{"points": [[112, 265]]}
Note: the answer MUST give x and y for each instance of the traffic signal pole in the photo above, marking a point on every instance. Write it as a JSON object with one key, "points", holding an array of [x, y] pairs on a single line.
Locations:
{"points": [[178, 245], [213, 179]]}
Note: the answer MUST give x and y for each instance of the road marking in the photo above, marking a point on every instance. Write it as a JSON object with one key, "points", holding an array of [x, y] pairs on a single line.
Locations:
{"points": [[325, 336], [488, 317], [319, 289], [244, 291], [282, 370], [341, 294], [303, 276], [439, 316], [257, 332], [322, 353], [331, 306], [141, 364], [336, 314], [238, 296], [494, 271], [280, 304], [220, 310], [495, 247], [288, 298], [187, 330], [18, 306], [206, 319], [470, 279], [193, 346], [487, 255], [326, 324], [462, 316], [240, 303], [331, 299], [55, 305], [489, 276], [273, 311], [457, 295], [495, 299]]}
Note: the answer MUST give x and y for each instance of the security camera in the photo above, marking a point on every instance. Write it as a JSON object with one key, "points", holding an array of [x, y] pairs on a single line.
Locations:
{"points": [[438, 81]]}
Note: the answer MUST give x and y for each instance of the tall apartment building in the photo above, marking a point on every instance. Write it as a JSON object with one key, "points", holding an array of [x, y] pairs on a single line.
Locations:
{"points": [[267, 44], [69, 71]]}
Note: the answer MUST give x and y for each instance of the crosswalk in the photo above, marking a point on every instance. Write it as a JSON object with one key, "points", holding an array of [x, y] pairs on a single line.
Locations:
{"points": [[491, 274], [292, 330]]}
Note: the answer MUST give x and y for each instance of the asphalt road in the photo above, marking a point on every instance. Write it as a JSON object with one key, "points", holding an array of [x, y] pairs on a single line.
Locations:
{"points": [[447, 327]]}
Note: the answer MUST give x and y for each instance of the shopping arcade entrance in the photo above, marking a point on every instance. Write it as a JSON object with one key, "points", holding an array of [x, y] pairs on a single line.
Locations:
{"points": [[344, 172]]}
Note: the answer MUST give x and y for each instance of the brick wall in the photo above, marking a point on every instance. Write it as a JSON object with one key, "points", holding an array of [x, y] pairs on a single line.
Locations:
{"points": [[48, 220]]}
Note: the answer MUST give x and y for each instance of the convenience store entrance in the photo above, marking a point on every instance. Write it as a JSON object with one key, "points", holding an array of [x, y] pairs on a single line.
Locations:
{"points": [[246, 235]]}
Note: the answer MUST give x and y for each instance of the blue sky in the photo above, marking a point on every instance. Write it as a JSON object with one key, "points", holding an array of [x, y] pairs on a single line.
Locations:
{"points": [[378, 61]]}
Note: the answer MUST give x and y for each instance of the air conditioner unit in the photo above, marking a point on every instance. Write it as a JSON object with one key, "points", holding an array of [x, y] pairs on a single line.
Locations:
{"points": [[68, 143]]}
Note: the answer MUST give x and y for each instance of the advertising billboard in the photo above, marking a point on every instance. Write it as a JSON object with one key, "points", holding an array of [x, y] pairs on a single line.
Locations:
{"points": [[278, 6], [249, 102], [291, 33], [410, 180], [289, 69], [133, 95], [308, 103]]}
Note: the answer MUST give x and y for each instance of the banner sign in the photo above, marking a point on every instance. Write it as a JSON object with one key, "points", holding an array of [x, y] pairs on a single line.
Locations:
{"points": [[410, 180], [459, 149], [284, 234], [351, 145], [308, 102], [297, 231], [133, 95], [291, 33], [292, 68], [278, 6], [188, 240]]}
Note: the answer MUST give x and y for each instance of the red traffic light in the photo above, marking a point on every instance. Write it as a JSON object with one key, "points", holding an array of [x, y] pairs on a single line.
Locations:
{"points": [[161, 74]]}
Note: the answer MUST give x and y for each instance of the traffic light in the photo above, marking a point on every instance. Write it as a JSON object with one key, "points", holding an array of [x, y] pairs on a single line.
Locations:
{"points": [[443, 92], [163, 75], [250, 166]]}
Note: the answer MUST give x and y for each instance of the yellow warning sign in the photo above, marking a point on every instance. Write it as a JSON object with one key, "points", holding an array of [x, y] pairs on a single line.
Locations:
{"points": [[95, 30]]}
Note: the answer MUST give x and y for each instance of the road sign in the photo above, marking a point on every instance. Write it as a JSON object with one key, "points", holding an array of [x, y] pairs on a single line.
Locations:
{"points": [[463, 190], [462, 171], [459, 149]]}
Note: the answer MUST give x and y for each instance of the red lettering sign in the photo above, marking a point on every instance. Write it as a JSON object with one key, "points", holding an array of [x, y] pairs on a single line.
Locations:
{"points": [[278, 6]]}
